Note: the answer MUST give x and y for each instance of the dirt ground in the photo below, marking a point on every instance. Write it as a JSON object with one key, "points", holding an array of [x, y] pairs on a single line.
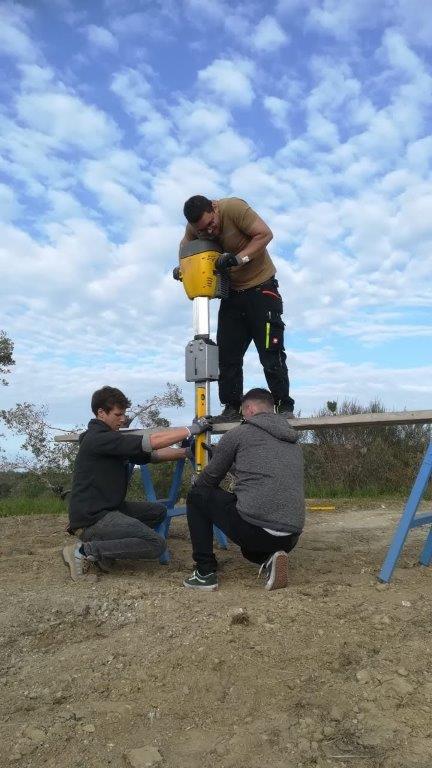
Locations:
{"points": [[334, 671]]}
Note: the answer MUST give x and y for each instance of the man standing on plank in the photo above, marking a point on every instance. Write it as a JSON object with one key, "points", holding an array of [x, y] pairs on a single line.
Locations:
{"points": [[253, 308]]}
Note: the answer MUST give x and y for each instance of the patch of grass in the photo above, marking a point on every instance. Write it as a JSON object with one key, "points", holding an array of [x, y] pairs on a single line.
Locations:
{"points": [[24, 505], [360, 493]]}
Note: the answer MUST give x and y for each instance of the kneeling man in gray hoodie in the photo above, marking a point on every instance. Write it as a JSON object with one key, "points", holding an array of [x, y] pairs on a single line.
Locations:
{"points": [[265, 514]]}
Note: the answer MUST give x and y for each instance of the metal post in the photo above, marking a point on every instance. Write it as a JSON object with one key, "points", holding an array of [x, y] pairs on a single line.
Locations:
{"points": [[201, 328]]}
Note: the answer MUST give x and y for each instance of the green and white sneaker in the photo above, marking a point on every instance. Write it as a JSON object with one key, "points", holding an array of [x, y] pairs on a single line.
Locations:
{"points": [[196, 581]]}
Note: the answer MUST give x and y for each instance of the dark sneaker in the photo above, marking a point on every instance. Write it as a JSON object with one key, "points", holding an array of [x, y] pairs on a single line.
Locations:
{"points": [[229, 414], [78, 563], [275, 570], [285, 410], [196, 581]]}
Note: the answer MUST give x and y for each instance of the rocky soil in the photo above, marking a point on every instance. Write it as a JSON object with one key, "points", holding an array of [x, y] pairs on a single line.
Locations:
{"points": [[135, 670]]}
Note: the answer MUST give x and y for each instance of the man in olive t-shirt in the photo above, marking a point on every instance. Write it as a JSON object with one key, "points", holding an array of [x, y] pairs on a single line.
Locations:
{"points": [[253, 308]]}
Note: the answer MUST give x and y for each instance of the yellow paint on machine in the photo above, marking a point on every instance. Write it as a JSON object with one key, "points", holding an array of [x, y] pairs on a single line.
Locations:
{"points": [[199, 275], [200, 410]]}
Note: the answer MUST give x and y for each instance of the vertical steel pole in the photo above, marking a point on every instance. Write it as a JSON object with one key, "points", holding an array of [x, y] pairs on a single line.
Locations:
{"points": [[201, 328]]}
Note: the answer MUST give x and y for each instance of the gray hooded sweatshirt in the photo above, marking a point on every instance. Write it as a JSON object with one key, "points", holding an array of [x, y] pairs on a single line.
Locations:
{"points": [[268, 472]]}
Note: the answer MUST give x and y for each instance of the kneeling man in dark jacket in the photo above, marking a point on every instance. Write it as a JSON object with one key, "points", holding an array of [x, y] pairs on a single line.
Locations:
{"points": [[265, 514], [108, 527]]}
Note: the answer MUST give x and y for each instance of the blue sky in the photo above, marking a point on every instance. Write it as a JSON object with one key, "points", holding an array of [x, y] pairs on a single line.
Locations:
{"points": [[317, 112]]}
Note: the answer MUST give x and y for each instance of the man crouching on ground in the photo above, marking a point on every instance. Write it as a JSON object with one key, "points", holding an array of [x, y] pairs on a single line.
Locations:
{"points": [[265, 514], [108, 527]]}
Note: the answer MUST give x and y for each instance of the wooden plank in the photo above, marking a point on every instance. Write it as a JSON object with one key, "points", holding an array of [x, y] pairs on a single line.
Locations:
{"points": [[316, 422]]}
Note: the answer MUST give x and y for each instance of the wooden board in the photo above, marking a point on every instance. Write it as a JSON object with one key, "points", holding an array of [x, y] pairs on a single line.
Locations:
{"points": [[316, 422]]}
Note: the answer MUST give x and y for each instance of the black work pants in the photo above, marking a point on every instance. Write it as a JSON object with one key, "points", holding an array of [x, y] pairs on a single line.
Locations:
{"points": [[207, 506], [253, 314]]}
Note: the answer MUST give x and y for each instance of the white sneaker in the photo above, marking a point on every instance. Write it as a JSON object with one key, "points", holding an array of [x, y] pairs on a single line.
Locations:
{"points": [[275, 570], [78, 563]]}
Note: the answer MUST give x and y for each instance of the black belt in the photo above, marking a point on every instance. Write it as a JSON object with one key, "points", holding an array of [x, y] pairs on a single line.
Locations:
{"points": [[270, 282]]}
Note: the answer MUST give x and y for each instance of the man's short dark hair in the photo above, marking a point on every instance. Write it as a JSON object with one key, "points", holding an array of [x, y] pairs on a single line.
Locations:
{"points": [[261, 396], [108, 398], [194, 208]]}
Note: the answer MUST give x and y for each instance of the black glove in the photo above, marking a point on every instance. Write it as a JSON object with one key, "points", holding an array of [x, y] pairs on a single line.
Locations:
{"points": [[189, 444], [225, 261], [190, 454], [176, 273], [209, 450], [200, 425]]}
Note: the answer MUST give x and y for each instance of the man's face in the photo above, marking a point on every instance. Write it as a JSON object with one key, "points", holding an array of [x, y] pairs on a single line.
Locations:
{"points": [[115, 418], [208, 225]]}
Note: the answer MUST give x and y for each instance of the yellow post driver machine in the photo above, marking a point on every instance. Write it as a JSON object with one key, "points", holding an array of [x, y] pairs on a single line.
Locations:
{"points": [[201, 282]]}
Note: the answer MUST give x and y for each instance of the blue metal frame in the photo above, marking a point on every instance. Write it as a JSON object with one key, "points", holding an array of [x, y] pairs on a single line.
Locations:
{"points": [[170, 502], [409, 520]]}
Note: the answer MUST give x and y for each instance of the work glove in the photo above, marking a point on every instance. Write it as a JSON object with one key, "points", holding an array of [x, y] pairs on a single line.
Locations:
{"points": [[225, 261], [189, 444], [209, 450], [190, 454], [176, 273], [200, 425]]}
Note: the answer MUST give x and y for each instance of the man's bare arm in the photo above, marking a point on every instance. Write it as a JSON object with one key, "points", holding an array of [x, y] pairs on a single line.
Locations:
{"points": [[168, 454], [260, 235]]}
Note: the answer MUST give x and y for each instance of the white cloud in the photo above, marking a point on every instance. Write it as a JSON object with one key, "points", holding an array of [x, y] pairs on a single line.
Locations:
{"points": [[36, 77], [101, 38], [234, 20], [278, 110], [135, 91], [230, 80], [9, 205], [343, 18], [322, 130], [415, 19], [269, 35], [14, 38], [181, 179], [98, 212], [67, 119], [117, 181], [419, 155], [227, 149], [63, 205], [198, 119]]}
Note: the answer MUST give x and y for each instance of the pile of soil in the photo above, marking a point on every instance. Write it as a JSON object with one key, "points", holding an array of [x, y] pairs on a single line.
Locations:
{"points": [[333, 671]]}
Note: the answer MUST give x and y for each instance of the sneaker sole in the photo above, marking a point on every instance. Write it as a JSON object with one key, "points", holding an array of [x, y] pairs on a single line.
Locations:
{"points": [[205, 588], [280, 572]]}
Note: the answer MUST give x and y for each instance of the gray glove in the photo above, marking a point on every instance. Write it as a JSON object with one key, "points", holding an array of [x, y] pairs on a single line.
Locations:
{"points": [[225, 261], [200, 425]]}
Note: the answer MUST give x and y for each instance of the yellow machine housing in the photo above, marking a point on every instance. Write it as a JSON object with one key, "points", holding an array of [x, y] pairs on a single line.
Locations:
{"points": [[197, 269]]}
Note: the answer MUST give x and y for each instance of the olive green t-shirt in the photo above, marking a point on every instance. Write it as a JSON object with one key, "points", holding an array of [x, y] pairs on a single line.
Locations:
{"points": [[236, 220]]}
